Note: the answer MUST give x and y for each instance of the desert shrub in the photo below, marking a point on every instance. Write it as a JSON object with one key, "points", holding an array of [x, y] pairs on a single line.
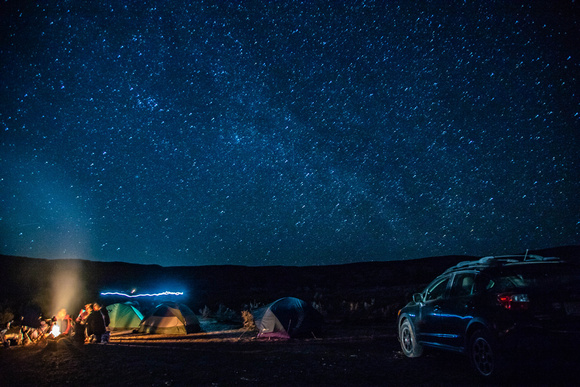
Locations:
{"points": [[248, 320], [223, 314], [226, 314], [252, 306], [320, 308], [205, 312], [363, 310]]}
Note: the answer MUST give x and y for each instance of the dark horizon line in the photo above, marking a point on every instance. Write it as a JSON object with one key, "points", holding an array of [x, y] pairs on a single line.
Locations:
{"points": [[528, 251]]}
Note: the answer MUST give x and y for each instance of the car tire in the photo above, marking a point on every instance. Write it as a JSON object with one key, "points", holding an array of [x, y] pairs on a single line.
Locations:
{"points": [[483, 354], [408, 339]]}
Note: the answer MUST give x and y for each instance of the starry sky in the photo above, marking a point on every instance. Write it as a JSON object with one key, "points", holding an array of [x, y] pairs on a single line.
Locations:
{"points": [[287, 132]]}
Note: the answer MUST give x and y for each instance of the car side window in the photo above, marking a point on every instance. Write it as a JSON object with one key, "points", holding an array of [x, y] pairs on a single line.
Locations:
{"points": [[483, 283], [436, 290], [463, 285]]}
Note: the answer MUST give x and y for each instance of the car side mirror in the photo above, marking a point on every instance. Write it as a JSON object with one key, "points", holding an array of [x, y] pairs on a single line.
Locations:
{"points": [[417, 298]]}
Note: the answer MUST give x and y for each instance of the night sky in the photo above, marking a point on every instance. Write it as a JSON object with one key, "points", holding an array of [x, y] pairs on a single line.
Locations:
{"points": [[286, 132]]}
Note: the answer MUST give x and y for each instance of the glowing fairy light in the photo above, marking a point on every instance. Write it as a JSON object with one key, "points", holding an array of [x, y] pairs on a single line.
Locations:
{"points": [[142, 295]]}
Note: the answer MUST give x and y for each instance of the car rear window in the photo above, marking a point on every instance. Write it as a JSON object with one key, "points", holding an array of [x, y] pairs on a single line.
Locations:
{"points": [[534, 275]]}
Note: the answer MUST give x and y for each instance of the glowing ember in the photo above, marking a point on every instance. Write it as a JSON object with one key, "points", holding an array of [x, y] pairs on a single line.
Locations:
{"points": [[55, 330]]}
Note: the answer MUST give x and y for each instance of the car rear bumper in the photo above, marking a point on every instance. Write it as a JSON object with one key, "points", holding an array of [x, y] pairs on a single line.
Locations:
{"points": [[536, 338]]}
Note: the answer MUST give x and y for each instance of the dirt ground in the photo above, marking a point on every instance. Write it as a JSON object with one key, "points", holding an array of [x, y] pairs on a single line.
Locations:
{"points": [[345, 355]]}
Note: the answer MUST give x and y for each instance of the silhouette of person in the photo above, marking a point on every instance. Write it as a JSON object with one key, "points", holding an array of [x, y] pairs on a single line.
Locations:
{"points": [[96, 323]]}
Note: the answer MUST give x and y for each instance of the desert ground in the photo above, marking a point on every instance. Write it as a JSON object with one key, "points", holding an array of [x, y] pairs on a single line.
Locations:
{"points": [[366, 355]]}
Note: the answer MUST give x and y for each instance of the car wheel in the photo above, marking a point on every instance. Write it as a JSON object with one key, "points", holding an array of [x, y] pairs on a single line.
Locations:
{"points": [[408, 339], [483, 355]]}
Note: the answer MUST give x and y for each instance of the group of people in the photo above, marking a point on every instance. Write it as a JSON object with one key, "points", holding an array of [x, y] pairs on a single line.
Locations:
{"points": [[29, 332], [91, 324]]}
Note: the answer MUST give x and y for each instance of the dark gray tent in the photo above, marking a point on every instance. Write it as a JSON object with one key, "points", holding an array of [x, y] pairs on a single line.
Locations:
{"points": [[287, 317]]}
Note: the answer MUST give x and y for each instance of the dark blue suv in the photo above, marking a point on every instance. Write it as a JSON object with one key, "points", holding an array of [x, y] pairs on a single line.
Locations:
{"points": [[488, 308]]}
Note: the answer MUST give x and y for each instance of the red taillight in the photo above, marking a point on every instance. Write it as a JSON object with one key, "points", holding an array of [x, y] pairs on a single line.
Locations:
{"points": [[514, 301]]}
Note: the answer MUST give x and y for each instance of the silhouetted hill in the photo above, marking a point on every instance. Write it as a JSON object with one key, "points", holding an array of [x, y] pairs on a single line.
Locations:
{"points": [[336, 288]]}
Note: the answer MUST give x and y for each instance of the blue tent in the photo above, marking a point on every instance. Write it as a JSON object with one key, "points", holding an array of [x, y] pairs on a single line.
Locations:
{"points": [[286, 318]]}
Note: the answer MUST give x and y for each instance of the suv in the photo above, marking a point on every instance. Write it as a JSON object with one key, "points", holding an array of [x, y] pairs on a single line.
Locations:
{"points": [[488, 308]]}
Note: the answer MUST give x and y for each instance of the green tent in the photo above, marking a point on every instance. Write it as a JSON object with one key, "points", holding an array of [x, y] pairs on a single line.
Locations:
{"points": [[170, 318], [124, 316]]}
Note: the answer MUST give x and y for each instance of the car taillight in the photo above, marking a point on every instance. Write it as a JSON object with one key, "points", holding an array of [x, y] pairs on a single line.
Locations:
{"points": [[514, 301]]}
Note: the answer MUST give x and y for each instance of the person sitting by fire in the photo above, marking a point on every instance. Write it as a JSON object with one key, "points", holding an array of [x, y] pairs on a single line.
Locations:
{"points": [[44, 329], [81, 323], [64, 322], [107, 335], [96, 325], [84, 313]]}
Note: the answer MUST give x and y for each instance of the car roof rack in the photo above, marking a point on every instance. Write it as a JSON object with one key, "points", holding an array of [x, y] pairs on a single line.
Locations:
{"points": [[500, 260]]}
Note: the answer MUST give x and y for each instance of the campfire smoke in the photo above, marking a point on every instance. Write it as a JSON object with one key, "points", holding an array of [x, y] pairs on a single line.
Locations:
{"points": [[67, 287]]}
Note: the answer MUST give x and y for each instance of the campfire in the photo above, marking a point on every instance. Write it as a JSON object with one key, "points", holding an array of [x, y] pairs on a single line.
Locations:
{"points": [[55, 331]]}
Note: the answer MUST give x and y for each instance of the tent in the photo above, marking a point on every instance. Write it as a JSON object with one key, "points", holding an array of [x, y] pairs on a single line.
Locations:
{"points": [[287, 317], [170, 318], [124, 316]]}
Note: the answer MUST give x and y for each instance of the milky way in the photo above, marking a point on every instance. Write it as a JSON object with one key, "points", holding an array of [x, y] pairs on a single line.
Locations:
{"points": [[287, 133]]}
